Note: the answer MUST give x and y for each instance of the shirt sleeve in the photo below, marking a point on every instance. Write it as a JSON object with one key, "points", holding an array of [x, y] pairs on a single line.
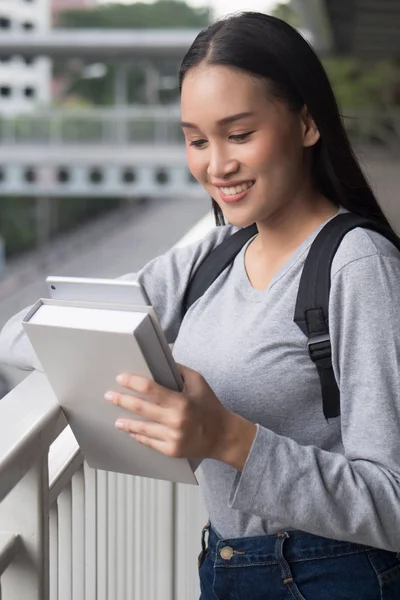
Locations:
{"points": [[164, 279], [356, 496]]}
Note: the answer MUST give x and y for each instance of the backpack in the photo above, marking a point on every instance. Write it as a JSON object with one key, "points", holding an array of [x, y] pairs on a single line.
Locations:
{"points": [[311, 311]]}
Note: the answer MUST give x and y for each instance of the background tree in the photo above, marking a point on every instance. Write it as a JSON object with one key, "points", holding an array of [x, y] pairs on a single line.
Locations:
{"points": [[285, 12], [358, 84]]}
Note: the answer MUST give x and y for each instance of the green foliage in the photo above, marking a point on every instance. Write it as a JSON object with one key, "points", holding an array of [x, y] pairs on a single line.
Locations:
{"points": [[357, 84], [287, 14], [163, 13], [72, 211], [360, 85], [17, 224], [18, 218]]}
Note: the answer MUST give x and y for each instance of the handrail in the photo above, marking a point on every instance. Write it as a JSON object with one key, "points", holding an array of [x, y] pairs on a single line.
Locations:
{"points": [[30, 420], [8, 548], [65, 458], [138, 125], [90, 533]]}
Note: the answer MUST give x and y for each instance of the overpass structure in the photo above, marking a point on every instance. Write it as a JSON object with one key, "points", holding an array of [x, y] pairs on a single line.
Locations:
{"points": [[119, 44], [365, 28], [131, 152], [135, 152]]}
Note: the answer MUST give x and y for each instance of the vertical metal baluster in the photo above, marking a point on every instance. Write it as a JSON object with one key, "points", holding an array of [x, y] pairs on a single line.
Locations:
{"points": [[65, 544], [164, 558], [146, 536], [130, 537], [152, 568], [90, 476], [78, 535], [139, 546], [111, 534], [102, 535], [54, 562], [121, 537]]}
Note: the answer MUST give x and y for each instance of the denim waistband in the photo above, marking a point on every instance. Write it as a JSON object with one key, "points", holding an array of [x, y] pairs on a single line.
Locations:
{"points": [[267, 549]]}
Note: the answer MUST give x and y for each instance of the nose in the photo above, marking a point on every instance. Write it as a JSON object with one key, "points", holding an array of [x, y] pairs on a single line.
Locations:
{"points": [[221, 164]]}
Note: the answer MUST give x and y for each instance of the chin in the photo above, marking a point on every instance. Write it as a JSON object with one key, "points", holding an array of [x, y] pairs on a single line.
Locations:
{"points": [[239, 220]]}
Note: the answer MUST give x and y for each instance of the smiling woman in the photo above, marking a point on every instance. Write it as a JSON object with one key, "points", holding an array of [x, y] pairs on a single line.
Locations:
{"points": [[238, 135], [303, 494]]}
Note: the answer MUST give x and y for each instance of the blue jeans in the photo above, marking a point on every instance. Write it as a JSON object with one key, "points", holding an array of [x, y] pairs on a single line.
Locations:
{"points": [[295, 566]]}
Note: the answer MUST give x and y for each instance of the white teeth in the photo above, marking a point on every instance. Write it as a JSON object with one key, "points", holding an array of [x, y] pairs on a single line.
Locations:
{"points": [[231, 191]]}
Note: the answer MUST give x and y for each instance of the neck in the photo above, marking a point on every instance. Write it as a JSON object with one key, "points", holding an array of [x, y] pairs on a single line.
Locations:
{"points": [[286, 228]]}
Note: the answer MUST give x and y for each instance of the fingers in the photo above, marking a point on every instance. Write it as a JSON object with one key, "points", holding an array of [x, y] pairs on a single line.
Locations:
{"points": [[154, 435], [136, 405], [147, 388], [142, 385], [155, 431]]}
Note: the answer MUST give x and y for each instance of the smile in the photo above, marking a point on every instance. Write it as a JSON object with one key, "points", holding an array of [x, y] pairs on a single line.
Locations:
{"points": [[231, 191], [235, 193]]}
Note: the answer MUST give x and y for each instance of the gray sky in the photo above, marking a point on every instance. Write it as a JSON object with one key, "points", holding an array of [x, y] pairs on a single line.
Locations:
{"points": [[222, 7]]}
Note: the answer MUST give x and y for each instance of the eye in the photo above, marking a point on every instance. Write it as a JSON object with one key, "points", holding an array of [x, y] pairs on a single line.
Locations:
{"points": [[235, 138], [240, 137], [197, 143]]}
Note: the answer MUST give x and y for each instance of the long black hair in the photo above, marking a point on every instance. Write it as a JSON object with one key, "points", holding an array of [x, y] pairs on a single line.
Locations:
{"points": [[273, 50]]}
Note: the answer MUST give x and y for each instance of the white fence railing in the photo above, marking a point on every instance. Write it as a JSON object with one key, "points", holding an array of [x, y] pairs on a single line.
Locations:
{"points": [[157, 125], [68, 532]]}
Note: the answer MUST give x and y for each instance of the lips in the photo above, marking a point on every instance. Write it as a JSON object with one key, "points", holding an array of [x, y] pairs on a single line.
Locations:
{"points": [[236, 189], [237, 197]]}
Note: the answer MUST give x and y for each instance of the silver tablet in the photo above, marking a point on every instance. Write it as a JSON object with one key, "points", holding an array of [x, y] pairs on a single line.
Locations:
{"points": [[84, 289]]}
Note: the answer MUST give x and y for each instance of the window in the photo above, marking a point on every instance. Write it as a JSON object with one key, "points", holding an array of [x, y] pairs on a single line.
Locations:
{"points": [[128, 175], [2, 175], [5, 59], [162, 176], [28, 60], [63, 175], [5, 23], [28, 26], [96, 175], [30, 175], [29, 92], [5, 91]]}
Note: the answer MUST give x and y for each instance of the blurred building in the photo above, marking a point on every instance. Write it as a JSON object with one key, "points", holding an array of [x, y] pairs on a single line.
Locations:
{"points": [[59, 5], [24, 81]]}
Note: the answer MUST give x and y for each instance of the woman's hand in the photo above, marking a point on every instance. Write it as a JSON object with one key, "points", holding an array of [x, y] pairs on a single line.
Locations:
{"points": [[188, 424]]}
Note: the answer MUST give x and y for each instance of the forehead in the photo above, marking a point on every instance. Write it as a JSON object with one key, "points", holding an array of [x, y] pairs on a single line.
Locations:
{"points": [[213, 90]]}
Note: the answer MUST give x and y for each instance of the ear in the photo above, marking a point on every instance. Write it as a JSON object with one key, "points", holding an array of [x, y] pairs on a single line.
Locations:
{"points": [[310, 131]]}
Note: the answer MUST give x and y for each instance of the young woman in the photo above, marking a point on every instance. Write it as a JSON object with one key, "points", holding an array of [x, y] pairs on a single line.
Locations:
{"points": [[300, 506]]}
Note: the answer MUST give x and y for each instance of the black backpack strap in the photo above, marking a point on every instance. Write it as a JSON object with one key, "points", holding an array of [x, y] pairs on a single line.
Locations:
{"points": [[311, 313], [215, 263]]}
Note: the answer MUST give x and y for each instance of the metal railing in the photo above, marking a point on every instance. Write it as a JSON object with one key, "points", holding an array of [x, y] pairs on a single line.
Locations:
{"points": [[69, 532], [157, 125], [131, 126]]}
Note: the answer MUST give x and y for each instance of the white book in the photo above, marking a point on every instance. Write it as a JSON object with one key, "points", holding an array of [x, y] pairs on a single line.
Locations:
{"points": [[82, 347]]}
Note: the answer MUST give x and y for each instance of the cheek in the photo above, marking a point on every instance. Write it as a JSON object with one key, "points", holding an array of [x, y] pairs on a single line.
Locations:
{"points": [[197, 164], [274, 154]]}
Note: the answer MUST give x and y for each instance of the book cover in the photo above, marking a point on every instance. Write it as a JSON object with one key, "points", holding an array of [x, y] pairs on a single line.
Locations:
{"points": [[82, 348]]}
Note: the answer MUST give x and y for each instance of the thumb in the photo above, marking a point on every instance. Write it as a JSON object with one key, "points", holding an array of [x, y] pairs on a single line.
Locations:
{"points": [[184, 371]]}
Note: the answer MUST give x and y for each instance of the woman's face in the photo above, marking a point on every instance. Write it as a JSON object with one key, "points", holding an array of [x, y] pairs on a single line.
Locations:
{"points": [[245, 148]]}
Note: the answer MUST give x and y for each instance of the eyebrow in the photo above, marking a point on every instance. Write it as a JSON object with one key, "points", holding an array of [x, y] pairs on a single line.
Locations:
{"points": [[224, 121]]}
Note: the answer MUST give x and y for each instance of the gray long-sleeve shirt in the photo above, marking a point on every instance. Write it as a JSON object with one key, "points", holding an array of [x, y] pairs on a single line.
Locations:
{"points": [[339, 479]]}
